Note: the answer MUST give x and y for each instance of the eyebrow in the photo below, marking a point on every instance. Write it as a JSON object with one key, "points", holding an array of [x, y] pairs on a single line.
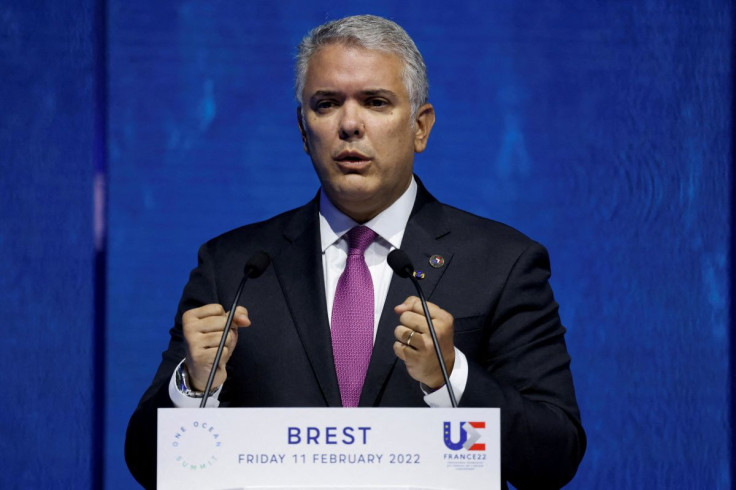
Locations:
{"points": [[368, 92], [379, 91]]}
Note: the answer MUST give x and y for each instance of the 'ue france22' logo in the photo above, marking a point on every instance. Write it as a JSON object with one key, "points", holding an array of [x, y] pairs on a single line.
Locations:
{"points": [[469, 436]]}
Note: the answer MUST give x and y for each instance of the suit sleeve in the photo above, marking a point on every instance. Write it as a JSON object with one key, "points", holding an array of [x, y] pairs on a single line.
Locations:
{"points": [[140, 438], [525, 370]]}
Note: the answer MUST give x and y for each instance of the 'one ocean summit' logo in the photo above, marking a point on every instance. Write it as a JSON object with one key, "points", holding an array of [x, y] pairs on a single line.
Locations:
{"points": [[196, 446]]}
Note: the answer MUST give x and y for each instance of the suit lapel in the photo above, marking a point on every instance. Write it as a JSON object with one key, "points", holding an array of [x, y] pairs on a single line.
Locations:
{"points": [[298, 266], [422, 239]]}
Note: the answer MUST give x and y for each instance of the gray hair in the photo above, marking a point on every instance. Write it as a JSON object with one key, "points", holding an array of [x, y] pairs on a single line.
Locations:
{"points": [[368, 32]]}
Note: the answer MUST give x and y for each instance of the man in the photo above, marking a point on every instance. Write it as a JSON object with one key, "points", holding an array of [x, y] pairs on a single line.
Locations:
{"points": [[363, 113]]}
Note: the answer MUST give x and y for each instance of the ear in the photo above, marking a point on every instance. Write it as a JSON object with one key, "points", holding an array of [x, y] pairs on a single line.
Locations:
{"points": [[423, 126], [302, 130]]}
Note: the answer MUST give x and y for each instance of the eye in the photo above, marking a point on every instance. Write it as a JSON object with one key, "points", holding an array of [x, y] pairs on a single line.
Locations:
{"points": [[324, 105], [376, 102]]}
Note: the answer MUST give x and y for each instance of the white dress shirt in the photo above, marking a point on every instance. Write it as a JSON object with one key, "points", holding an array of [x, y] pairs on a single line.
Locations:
{"points": [[389, 225]]}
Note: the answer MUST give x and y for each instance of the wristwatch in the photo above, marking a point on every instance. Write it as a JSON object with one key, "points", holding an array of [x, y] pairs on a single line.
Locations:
{"points": [[182, 383]]}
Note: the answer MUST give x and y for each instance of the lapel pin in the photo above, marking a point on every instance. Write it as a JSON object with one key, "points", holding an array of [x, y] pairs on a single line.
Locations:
{"points": [[419, 274], [436, 261]]}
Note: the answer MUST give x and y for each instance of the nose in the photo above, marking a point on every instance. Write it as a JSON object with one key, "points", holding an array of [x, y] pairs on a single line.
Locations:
{"points": [[351, 123]]}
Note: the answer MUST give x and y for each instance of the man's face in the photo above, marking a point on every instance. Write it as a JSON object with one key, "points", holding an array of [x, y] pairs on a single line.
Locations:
{"points": [[358, 130]]}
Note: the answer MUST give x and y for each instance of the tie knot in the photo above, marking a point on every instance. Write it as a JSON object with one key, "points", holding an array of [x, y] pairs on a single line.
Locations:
{"points": [[359, 238]]}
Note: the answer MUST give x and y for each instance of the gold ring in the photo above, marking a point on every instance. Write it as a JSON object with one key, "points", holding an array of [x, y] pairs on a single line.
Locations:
{"points": [[408, 340]]}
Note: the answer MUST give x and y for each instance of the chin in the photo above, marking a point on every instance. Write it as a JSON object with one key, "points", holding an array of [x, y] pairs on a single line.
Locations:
{"points": [[354, 184]]}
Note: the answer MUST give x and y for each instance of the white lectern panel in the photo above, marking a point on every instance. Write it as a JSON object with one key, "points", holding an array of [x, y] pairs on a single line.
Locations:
{"points": [[386, 448]]}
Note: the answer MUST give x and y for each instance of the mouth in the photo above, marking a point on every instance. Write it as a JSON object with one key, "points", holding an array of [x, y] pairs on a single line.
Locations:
{"points": [[351, 160]]}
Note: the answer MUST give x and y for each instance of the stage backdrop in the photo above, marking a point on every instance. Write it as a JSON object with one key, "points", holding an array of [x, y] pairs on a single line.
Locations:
{"points": [[601, 129], [51, 423]]}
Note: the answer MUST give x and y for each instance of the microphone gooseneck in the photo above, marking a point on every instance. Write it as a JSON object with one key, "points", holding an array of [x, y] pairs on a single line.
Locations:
{"points": [[402, 267], [254, 267]]}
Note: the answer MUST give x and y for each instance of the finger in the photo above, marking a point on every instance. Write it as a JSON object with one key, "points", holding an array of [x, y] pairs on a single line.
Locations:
{"points": [[204, 357], [211, 340], [409, 304], [209, 324], [241, 318], [224, 358], [414, 304], [203, 312], [414, 321], [407, 354], [400, 350], [217, 323], [406, 336], [232, 338]]}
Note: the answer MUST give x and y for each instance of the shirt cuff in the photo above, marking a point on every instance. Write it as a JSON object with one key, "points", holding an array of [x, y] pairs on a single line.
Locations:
{"points": [[458, 379], [180, 400]]}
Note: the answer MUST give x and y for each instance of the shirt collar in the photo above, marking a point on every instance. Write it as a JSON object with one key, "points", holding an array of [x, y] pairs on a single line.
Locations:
{"points": [[389, 224]]}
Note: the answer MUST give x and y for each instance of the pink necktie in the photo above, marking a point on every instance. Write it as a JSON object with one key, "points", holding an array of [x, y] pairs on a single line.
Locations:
{"points": [[352, 318]]}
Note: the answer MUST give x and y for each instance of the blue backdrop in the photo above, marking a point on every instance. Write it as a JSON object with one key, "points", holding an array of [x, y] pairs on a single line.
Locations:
{"points": [[601, 129]]}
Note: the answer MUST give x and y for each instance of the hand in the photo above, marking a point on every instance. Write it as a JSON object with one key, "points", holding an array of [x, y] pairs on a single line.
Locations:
{"points": [[414, 342], [203, 328]]}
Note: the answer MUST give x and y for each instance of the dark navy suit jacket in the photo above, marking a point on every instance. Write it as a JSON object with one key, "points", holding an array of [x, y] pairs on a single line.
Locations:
{"points": [[494, 282]]}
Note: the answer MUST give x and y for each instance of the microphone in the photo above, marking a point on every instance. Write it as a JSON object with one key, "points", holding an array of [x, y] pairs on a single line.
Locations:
{"points": [[257, 263], [254, 267], [402, 267]]}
